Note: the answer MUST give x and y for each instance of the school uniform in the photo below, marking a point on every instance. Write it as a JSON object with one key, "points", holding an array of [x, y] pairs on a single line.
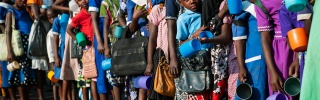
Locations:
{"points": [[289, 20], [57, 29], [25, 75], [283, 55], [94, 6], [254, 58]]}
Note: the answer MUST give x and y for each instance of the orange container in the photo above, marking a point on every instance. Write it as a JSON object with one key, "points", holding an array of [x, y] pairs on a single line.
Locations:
{"points": [[298, 39], [51, 77]]}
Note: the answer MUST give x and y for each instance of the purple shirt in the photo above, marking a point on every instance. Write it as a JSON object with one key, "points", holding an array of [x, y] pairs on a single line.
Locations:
{"points": [[288, 20], [273, 6]]}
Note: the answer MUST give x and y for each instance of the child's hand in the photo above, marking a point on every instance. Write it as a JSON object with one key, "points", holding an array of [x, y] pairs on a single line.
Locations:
{"points": [[10, 57], [107, 52], [275, 81], [148, 71], [57, 62], [242, 75], [140, 12], [101, 48], [225, 7], [294, 68]]}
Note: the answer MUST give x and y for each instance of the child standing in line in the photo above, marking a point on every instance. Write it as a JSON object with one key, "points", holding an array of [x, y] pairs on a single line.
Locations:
{"points": [[276, 51], [24, 76], [5, 72], [83, 21], [158, 46], [51, 15], [249, 53]]}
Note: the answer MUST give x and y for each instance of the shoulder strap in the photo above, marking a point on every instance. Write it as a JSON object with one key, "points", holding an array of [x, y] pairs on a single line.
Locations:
{"points": [[13, 23], [263, 8]]}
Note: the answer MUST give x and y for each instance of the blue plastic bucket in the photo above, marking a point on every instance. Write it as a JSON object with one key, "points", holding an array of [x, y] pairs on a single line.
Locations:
{"points": [[106, 64], [206, 34], [190, 47], [235, 6]]}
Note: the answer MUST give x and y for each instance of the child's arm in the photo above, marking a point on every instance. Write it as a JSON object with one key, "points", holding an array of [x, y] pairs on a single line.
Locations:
{"points": [[10, 56], [95, 18], [57, 5], [55, 32], [107, 51], [275, 80], [225, 36], [70, 31], [121, 18], [2, 27], [195, 35], [153, 30], [137, 14]]}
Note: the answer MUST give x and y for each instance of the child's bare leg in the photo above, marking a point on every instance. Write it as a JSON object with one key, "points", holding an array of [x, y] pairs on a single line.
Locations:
{"points": [[12, 93], [21, 92], [85, 95], [116, 93], [64, 90], [40, 81], [94, 91], [55, 92], [142, 94]]}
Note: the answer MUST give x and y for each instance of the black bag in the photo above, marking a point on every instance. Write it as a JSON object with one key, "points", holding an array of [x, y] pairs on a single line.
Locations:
{"points": [[201, 61], [191, 81], [196, 73], [129, 55], [37, 43], [76, 50]]}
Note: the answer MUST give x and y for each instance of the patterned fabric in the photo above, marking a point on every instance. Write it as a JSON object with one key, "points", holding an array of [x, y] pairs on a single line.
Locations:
{"points": [[89, 64], [25, 75], [233, 71], [219, 57], [156, 17]]}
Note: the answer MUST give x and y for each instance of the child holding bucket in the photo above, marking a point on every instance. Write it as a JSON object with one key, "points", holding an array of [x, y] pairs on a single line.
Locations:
{"points": [[51, 15], [64, 64], [249, 53], [157, 47], [25, 75], [83, 21], [276, 51], [99, 46]]}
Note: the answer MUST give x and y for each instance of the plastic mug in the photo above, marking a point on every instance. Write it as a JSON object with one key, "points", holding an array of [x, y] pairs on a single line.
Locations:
{"points": [[292, 86], [235, 6], [64, 20], [298, 39], [106, 64], [73, 6], [81, 38], [118, 31], [51, 76], [145, 82], [244, 91], [295, 5], [140, 7], [278, 96], [13, 66], [135, 81], [206, 34], [189, 48]]}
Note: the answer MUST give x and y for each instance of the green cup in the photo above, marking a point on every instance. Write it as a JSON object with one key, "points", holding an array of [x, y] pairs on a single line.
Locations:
{"points": [[292, 86], [81, 38], [140, 7]]}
